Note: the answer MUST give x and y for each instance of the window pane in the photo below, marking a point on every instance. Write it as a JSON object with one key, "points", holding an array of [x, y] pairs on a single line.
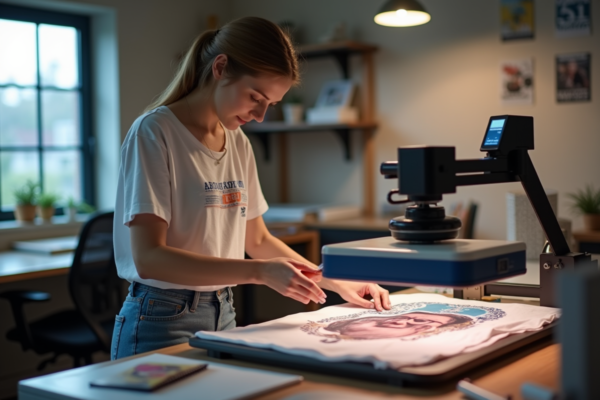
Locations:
{"points": [[58, 56], [18, 117], [60, 118], [62, 174], [18, 59], [16, 168]]}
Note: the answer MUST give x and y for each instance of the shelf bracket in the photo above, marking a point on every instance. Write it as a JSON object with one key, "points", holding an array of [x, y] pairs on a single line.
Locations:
{"points": [[344, 135], [266, 145], [342, 59]]}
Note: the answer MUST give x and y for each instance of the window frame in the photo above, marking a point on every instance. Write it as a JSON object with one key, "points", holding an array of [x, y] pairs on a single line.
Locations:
{"points": [[87, 144]]}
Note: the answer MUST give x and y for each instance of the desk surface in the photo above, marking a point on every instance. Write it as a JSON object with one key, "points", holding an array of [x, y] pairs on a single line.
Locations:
{"points": [[20, 265], [540, 367], [23, 265]]}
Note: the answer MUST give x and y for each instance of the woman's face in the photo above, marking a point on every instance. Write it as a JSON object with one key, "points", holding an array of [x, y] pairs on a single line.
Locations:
{"points": [[248, 98]]}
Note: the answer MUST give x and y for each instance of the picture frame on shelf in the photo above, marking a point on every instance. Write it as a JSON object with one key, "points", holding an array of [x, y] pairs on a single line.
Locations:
{"points": [[336, 94]]}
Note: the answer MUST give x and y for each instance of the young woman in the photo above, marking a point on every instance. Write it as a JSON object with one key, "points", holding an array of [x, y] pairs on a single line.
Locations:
{"points": [[189, 202]]}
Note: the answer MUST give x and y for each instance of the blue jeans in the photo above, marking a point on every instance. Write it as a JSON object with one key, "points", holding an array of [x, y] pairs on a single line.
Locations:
{"points": [[153, 318]]}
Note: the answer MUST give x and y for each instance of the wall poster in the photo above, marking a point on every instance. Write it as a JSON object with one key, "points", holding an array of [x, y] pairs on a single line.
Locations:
{"points": [[573, 77], [573, 18], [516, 19], [516, 81]]}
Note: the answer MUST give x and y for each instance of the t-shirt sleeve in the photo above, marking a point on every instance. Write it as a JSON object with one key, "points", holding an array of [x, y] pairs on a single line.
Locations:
{"points": [[145, 174], [257, 205]]}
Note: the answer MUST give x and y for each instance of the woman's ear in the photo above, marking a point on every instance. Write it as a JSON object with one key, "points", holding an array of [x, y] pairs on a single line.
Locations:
{"points": [[218, 66]]}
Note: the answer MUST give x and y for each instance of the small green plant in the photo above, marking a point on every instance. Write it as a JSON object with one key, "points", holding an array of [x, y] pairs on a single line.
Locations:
{"points": [[71, 203], [28, 194], [586, 201], [85, 208], [47, 200]]}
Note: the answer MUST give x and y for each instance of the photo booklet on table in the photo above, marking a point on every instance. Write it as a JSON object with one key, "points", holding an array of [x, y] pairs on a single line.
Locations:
{"points": [[148, 376]]}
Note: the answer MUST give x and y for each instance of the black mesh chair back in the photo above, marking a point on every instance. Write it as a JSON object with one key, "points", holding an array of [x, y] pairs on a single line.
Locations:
{"points": [[93, 281]]}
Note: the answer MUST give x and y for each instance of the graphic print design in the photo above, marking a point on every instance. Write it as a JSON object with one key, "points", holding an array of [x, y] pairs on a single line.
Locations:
{"points": [[225, 194], [409, 321]]}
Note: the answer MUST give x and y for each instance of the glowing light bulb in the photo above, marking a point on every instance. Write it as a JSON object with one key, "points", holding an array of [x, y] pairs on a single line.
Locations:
{"points": [[401, 13]]}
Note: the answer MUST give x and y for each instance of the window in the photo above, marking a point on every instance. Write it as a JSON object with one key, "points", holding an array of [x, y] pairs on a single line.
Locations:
{"points": [[44, 105]]}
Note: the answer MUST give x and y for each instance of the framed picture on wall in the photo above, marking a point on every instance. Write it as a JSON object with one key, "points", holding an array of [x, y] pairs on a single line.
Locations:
{"points": [[517, 18], [573, 77], [573, 18], [516, 81], [336, 94]]}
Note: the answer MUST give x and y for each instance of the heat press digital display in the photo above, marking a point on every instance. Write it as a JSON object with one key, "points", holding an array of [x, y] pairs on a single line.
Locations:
{"points": [[493, 134]]}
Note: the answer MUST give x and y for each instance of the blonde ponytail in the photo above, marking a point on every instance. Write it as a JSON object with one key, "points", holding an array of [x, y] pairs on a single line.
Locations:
{"points": [[253, 46]]}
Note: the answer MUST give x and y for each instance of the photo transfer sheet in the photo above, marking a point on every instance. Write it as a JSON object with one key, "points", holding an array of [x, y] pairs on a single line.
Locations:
{"points": [[419, 329]]}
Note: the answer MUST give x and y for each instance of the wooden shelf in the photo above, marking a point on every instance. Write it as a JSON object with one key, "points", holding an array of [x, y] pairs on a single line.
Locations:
{"points": [[340, 51], [280, 126], [265, 129], [326, 49]]}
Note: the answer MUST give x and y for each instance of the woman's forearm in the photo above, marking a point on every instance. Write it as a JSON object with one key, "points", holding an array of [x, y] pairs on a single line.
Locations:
{"points": [[272, 247], [182, 267]]}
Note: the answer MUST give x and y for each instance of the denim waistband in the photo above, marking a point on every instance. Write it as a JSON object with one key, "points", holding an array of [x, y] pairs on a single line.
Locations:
{"points": [[184, 294]]}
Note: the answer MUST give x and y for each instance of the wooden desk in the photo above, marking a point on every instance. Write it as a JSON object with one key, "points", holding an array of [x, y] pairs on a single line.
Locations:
{"points": [[588, 241], [540, 367], [19, 265]]}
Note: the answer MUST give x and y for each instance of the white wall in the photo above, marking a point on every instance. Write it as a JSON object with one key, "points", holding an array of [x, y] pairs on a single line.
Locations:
{"points": [[438, 84]]}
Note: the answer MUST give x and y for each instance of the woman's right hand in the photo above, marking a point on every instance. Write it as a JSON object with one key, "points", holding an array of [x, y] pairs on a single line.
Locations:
{"points": [[285, 276]]}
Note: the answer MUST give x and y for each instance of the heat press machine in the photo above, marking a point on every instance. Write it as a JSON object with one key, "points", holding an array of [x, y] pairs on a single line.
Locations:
{"points": [[422, 249]]}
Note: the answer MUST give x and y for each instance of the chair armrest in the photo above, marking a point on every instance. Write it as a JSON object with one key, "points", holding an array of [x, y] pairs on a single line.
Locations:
{"points": [[17, 298]]}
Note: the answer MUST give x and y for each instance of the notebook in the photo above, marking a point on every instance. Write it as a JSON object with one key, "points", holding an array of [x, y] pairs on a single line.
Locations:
{"points": [[148, 376], [217, 382]]}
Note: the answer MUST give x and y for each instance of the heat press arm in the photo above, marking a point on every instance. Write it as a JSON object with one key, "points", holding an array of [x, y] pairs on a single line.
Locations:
{"points": [[425, 173]]}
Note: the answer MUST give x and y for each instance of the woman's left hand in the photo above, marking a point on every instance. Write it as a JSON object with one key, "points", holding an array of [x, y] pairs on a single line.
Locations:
{"points": [[355, 293]]}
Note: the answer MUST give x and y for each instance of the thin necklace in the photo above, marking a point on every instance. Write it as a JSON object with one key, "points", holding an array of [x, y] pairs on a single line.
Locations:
{"points": [[217, 160]]}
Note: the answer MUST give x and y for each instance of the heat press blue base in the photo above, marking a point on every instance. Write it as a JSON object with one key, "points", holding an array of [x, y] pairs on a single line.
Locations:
{"points": [[424, 272]]}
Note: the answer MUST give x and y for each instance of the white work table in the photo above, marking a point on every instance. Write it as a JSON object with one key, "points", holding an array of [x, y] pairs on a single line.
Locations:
{"points": [[20, 265]]}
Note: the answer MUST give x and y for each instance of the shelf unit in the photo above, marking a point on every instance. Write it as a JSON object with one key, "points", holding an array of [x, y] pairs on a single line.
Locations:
{"points": [[341, 52]]}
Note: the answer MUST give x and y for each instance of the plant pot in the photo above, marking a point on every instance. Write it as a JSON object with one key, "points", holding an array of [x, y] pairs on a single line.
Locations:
{"points": [[591, 222], [46, 213], [25, 213], [72, 212], [293, 113]]}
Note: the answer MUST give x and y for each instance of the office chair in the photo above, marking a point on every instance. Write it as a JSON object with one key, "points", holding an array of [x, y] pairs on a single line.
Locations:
{"points": [[96, 291]]}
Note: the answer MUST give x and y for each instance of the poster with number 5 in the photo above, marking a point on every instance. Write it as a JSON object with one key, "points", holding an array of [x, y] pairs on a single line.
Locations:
{"points": [[573, 18]]}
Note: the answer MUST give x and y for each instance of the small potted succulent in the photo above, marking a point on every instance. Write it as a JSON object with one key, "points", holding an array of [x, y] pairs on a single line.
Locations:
{"points": [[46, 206], [587, 203], [26, 198]]}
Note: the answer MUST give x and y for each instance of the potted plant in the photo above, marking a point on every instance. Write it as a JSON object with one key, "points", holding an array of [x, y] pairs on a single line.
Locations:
{"points": [[71, 209], [26, 198], [587, 203], [46, 206]]}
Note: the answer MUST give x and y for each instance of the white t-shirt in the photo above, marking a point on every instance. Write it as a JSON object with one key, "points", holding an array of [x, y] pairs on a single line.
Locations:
{"points": [[167, 172], [419, 329]]}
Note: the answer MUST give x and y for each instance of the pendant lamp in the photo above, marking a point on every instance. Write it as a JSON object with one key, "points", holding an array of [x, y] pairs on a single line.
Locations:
{"points": [[402, 13]]}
